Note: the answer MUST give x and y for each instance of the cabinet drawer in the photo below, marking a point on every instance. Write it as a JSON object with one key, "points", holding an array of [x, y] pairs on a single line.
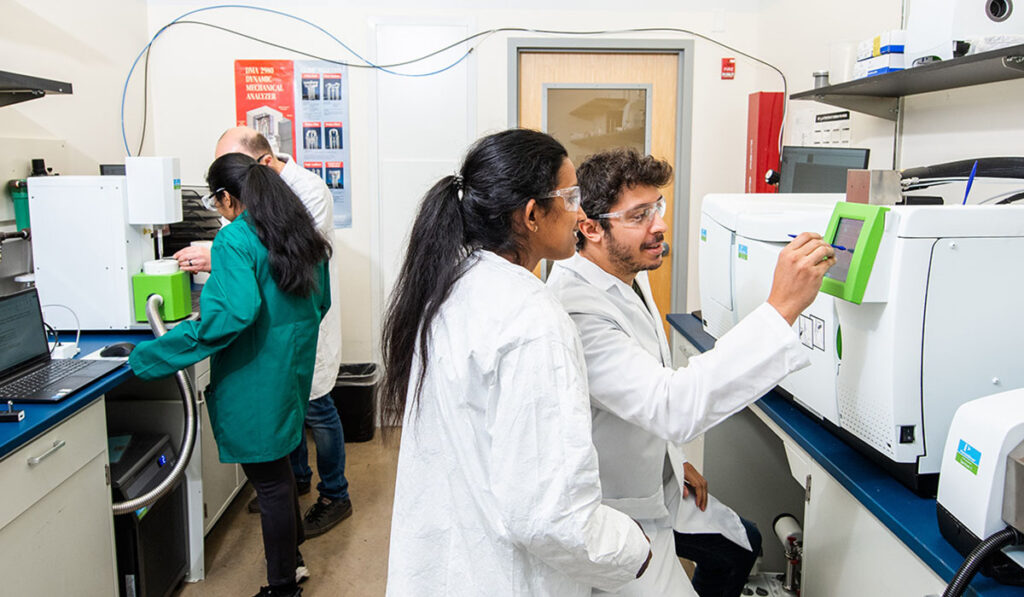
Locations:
{"points": [[55, 456]]}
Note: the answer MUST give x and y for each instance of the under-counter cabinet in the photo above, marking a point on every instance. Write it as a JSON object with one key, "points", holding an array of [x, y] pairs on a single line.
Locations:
{"points": [[56, 527]]}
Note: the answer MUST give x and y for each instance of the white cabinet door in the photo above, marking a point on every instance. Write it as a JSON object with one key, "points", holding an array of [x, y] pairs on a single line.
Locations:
{"points": [[60, 539]]}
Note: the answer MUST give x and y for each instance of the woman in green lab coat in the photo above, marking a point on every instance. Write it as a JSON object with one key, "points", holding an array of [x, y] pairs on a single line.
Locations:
{"points": [[260, 312]]}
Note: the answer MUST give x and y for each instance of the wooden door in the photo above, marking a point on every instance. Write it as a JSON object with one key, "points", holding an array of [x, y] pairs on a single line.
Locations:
{"points": [[658, 72]]}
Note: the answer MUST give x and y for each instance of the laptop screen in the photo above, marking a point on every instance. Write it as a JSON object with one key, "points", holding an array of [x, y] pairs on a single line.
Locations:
{"points": [[22, 339]]}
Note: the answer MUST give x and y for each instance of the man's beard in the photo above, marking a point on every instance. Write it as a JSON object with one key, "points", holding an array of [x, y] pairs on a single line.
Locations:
{"points": [[624, 259]]}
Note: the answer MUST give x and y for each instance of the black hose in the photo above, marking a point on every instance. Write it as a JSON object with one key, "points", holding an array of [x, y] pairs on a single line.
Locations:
{"points": [[1011, 199], [1002, 167], [974, 560]]}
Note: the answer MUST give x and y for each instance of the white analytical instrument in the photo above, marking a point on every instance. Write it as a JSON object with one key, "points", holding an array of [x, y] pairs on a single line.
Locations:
{"points": [[741, 236], [925, 314], [92, 234], [981, 487], [928, 316]]}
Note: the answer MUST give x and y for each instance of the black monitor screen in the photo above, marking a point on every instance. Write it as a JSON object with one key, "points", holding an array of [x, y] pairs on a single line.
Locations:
{"points": [[818, 169], [21, 330]]}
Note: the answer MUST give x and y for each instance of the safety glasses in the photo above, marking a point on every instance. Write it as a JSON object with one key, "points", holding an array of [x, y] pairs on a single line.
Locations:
{"points": [[210, 201], [570, 195], [641, 215]]}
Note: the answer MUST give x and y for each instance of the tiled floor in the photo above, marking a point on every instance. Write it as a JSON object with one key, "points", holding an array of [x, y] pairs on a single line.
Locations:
{"points": [[349, 560]]}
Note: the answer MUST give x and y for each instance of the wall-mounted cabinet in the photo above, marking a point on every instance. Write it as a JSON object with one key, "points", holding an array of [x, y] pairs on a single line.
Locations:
{"points": [[879, 95]]}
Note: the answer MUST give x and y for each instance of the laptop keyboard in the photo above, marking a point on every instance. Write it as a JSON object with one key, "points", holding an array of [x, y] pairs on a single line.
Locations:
{"points": [[31, 383]]}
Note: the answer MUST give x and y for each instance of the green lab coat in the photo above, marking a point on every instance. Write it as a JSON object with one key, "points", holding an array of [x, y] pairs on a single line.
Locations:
{"points": [[263, 347]]}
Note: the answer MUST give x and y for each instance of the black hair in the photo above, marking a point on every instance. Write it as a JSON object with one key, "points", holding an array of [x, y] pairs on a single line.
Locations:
{"points": [[604, 176], [471, 210], [294, 244]]}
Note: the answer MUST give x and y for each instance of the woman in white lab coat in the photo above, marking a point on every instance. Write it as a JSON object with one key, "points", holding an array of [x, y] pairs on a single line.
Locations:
{"points": [[497, 490]]}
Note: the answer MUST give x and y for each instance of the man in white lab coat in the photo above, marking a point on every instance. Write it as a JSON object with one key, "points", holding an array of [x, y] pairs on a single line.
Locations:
{"points": [[641, 406]]}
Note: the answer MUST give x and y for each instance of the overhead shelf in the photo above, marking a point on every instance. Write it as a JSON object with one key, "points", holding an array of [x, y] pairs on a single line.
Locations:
{"points": [[879, 95], [16, 88]]}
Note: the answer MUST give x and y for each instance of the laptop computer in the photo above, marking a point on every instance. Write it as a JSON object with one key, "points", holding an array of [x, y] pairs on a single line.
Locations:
{"points": [[27, 373]]}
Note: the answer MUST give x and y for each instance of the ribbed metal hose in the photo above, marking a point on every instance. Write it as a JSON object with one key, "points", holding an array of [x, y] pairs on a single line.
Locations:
{"points": [[974, 560], [189, 433]]}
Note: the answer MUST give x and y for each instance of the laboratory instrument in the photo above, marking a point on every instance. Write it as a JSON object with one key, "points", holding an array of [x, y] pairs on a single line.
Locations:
{"points": [[926, 320], [151, 546], [741, 237], [92, 236], [981, 487]]}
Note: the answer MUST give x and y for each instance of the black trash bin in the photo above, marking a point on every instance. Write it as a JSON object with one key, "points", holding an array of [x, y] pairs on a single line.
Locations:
{"points": [[355, 397]]}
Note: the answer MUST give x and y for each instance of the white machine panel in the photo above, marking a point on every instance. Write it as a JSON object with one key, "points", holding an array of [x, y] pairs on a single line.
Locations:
{"points": [[716, 288], [937, 328], [154, 188], [982, 433], [932, 26], [988, 336], [84, 250], [751, 230]]}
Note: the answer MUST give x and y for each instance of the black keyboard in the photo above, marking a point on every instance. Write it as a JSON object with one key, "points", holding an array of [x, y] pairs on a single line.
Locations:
{"points": [[44, 376]]}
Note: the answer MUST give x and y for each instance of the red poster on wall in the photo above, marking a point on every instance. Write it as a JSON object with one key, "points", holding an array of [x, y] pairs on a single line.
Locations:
{"points": [[265, 99]]}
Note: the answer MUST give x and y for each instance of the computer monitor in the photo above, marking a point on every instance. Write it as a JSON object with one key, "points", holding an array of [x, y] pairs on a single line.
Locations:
{"points": [[818, 169]]}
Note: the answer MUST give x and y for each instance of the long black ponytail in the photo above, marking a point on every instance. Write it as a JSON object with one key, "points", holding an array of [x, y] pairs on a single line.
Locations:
{"points": [[470, 210], [295, 246]]}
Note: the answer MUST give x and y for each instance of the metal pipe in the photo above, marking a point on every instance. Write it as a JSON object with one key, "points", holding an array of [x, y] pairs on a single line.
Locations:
{"points": [[188, 400], [23, 234]]}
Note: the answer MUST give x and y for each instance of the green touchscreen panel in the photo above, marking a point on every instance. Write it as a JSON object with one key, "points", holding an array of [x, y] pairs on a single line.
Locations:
{"points": [[855, 231]]}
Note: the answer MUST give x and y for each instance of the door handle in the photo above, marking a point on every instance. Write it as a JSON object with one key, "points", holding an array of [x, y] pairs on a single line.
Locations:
{"points": [[57, 445]]}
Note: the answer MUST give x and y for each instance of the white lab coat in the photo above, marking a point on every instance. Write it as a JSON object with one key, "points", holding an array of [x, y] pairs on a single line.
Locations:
{"points": [[642, 406], [314, 194], [498, 490]]}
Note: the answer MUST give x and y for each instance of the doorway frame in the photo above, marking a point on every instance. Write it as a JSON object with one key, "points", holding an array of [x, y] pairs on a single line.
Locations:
{"points": [[684, 116]]}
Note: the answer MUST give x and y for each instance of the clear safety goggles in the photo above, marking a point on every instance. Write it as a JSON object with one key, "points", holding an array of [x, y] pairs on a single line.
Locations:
{"points": [[210, 201], [570, 195], [641, 215]]}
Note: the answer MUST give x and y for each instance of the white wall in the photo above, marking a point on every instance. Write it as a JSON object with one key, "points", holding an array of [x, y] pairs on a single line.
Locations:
{"points": [[407, 132], [90, 45]]}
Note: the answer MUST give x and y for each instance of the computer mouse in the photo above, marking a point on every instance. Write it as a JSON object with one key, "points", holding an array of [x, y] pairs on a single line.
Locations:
{"points": [[121, 349]]}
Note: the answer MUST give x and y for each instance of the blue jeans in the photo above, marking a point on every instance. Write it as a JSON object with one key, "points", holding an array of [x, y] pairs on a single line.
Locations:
{"points": [[722, 566], [322, 419]]}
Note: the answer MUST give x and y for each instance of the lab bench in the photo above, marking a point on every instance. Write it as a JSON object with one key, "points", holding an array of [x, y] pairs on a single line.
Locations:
{"points": [[56, 527], [864, 533]]}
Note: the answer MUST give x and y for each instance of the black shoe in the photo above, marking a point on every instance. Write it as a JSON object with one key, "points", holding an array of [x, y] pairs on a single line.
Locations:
{"points": [[324, 514], [301, 489], [281, 591]]}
